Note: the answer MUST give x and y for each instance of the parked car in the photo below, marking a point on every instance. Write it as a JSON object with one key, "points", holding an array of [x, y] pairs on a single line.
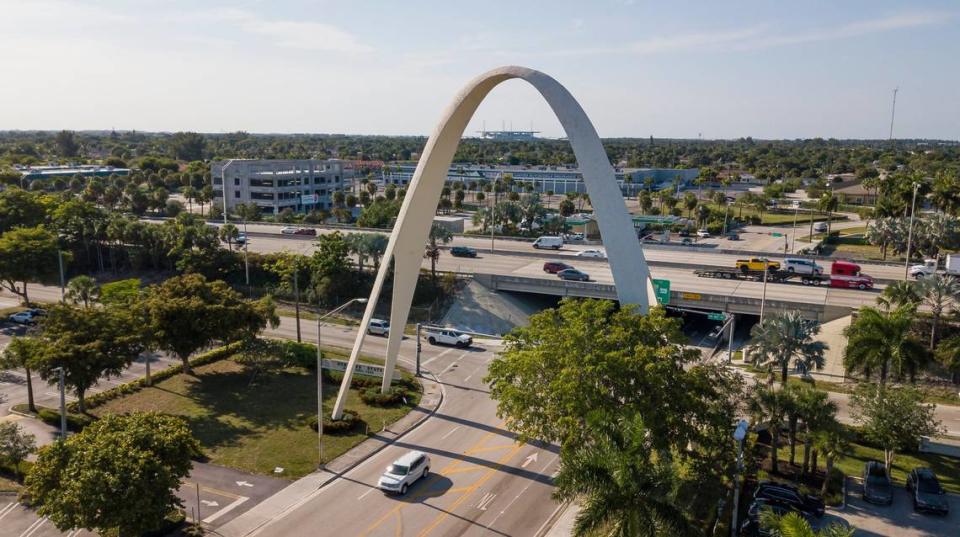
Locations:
{"points": [[553, 243], [404, 472], [877, 487], [463, 251], [703, 234], [684, 233], [802, 266], [785, 494], [23, 317], [553, 267], [288, 230], [926, 492], [241, 239], [573, 275], [820, 227], [379, 327], [733, 237], [597, 254], [447, 336]]}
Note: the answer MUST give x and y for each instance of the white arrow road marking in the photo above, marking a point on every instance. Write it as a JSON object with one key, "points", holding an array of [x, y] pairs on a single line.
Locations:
{"points": [[208, 503], [244, 484], [485, 501], [225, 510], [529, 459]]}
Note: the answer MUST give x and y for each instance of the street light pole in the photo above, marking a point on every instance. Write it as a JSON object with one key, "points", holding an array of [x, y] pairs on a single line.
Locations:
{"points": [[63, 283], [763, 297], [913, 210], [739, 435], [63, 405], [320, 374], [793, 239], [223, 183]]}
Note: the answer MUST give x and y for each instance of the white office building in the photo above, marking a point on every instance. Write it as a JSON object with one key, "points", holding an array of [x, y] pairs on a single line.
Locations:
{"points": [[274, 185]]}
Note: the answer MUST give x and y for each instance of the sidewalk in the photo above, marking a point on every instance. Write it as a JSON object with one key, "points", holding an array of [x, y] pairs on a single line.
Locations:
{"points": [[303, 489], [562, 523]]}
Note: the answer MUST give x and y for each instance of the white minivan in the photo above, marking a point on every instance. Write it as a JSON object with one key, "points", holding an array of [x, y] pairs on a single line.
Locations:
{"points": [[552, 243], [801, 266]]}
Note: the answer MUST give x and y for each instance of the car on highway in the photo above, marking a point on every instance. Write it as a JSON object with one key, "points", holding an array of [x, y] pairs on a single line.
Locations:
{"points": [[553, 267], [733, 237], [925, 491], [24, 317], [596, 254], [757, 264], [546, 242], [404, 472], [463, 251], [446, 336], [306, 231], [573, 274], [877, 487], [573, 237], [802, 266], [789, 495], [703, 234], [288, 230], [379, 327], [820, 227], [241, 239], [684, 232]]}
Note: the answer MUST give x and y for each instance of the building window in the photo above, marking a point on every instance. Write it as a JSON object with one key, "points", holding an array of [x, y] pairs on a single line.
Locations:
{"points": [[217, 181], [236, 194], [262, 182], [236, 181]]}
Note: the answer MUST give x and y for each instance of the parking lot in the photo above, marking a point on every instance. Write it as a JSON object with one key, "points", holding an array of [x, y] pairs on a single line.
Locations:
{"points": [[898, 519]]}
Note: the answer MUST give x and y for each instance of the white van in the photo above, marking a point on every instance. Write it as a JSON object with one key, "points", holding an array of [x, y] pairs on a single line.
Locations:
{"points": [[801, 266], [552, 243], [820, 227]]}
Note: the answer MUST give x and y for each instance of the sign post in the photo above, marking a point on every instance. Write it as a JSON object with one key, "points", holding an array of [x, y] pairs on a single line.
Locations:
{"points": [[662, 289]]}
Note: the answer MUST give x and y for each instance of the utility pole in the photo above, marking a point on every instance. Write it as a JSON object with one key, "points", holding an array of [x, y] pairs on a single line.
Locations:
{"points": [[763, 297], [63, 405], [893, 111], [738, 435], [63, 284], [913, 210]]}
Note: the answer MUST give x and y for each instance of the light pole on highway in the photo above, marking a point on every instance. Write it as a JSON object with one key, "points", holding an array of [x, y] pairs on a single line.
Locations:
{"points": [[793, 238], [763, 297], [913, 210], [223, 183], [320, 373], [63, 282], [739, 435]]}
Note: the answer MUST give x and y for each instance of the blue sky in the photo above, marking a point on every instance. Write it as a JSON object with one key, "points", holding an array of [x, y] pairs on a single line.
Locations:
{"points": [[668, 69]]}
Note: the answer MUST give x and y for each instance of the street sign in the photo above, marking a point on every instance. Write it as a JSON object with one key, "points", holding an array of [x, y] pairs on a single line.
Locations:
{"points": [[777, 234], [690, 296], [662, 289], [717, 316]]}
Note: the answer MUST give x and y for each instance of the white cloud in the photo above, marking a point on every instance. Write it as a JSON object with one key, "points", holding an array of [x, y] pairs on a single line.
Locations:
{"points": [[851, 29], [304, 35]]}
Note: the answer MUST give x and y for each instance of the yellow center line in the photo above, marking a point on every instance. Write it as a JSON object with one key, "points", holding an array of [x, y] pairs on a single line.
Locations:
{"points": [[464, 470], [470, 490], [489, 448], [218, 492]]}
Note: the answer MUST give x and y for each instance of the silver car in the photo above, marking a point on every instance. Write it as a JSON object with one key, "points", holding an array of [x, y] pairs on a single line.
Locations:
{"points": [[379, 327], [404, 472]]}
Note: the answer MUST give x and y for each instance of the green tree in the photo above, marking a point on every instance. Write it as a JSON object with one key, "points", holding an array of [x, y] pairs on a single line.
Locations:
{"points": [[833, 442], [186, 313], [19, 208], [331, 268], [228, 233], [894, 418], [83, 290], [786, 337], [22, 353], [88, 344], [27, 255], [828, 203], [794, 525], [817, 412], [15, 445], [67, 145], [292, 269], [187, 146], [877, 340], [690, 203], [438, 234], [938, 291], [624, 486], [120, 474], [566, 207], [898, 294], [770, 405]]}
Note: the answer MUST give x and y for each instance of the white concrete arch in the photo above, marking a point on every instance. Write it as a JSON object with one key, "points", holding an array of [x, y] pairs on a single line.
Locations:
{"points": [[410, 234]]}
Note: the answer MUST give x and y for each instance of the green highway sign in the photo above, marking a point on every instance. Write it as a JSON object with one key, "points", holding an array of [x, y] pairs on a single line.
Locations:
{"points": [[717, 316], [777, 234], [662, 290]]}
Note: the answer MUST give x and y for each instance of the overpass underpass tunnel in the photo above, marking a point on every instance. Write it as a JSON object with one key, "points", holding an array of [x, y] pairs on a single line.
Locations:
{"points": [[701, 331]]}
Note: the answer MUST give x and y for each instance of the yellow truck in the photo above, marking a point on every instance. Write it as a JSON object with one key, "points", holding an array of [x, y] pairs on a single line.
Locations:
{"points": [[757, 264]]}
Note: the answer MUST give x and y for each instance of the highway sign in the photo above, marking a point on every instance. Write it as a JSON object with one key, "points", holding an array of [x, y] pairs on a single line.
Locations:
{"points": [[717, 316], [662, 289], [777, 234], [690, 296]]}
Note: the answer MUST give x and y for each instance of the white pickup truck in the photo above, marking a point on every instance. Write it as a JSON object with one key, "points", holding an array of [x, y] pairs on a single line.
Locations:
{"points": [[929, 267], [446, 336]]}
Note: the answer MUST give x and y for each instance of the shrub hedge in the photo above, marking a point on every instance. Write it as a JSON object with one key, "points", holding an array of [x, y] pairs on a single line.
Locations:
{"points": [[211, 356], [348, 423], [393, 397], [51, 416]]}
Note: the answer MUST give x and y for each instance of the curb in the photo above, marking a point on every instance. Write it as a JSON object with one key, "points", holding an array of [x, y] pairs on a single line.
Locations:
{"points": [[552, 520]]}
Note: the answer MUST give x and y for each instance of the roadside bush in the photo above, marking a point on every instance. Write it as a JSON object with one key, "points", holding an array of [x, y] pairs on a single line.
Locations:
{"points": [[50, 416], [348, 423], [393, 397]]}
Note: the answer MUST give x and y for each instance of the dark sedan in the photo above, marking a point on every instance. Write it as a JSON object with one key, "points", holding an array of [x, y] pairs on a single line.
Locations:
{"points": [[782, 493], [926, 492], [463, 251], [751, 525], [574, 275], [877, 487]]}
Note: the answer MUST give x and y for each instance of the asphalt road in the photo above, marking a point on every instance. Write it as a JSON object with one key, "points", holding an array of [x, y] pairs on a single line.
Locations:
{"points": [[481, 482]]}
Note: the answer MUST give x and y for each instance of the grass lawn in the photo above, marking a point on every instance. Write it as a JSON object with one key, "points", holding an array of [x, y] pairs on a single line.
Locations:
{"points": [[255, 426], [776, 218], [8, 485], [946, 468]]}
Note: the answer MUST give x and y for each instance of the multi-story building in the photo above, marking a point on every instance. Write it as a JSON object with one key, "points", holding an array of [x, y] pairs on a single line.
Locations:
{"points": [[559, 179], [82, 170], [274, 185]]}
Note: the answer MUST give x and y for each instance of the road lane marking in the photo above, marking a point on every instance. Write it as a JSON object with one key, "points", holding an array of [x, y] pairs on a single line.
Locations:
{"points": [[33, 527], [453, 363], [442, 354], [364, 495], [7, 508], [486, 501], [517, 497], [464, 469], [225, 510], [470, 490], [451, 431], [485, 449], [530, 459]]}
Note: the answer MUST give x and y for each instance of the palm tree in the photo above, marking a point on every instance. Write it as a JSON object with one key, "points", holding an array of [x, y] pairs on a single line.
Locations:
{"points": [[438, 233], [624, 487], [938, 292], [82, 290], [229, 233], [817, 412], [878, 339], [900, 293], [827, 204], [948, 352], [770, 405], [794, 525], [785, 337], [690, 202], [833, 442]]}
